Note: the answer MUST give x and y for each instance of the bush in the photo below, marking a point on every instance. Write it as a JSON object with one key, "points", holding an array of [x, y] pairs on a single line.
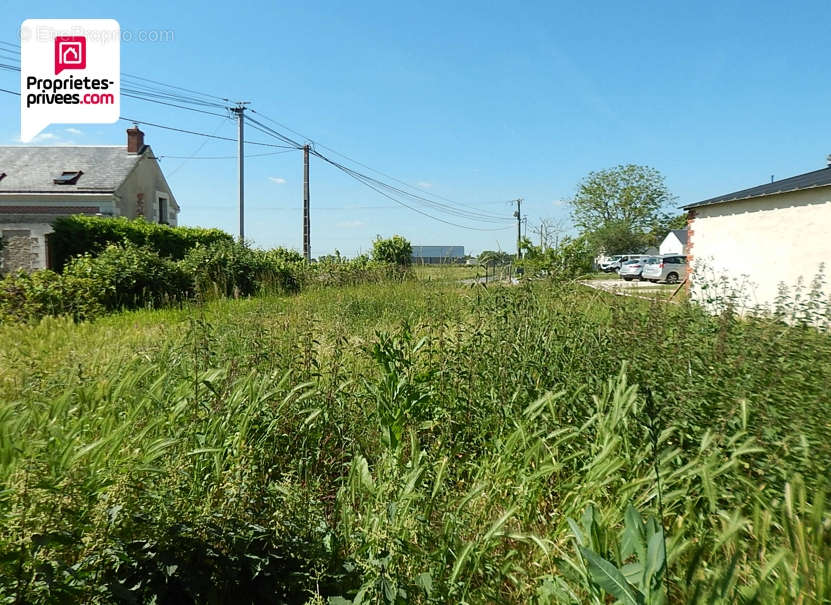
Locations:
{"points": [[395, 250], [234, 269], [129, 276], [30, 296], [572, 258], [339, 271], [79, 234], [283, 255]]}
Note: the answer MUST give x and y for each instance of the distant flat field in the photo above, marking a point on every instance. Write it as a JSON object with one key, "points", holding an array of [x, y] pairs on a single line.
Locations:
{"points": [[447, 272]]}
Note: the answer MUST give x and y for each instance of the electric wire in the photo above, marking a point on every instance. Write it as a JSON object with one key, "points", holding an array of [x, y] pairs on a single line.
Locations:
{"points": [[201, 134], [354, 161], [379, 187], [138, 90], [222, 157]]}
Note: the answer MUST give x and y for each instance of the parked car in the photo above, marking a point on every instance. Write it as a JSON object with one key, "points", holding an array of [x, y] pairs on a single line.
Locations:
{"points": [[611, 264], [632, 269], [669, 268], [615, 262]]}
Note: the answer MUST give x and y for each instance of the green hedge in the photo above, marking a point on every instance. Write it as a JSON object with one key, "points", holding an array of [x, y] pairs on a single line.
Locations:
{"points": [[128, 276], [30, 296], [79, 234], [234, 269]]}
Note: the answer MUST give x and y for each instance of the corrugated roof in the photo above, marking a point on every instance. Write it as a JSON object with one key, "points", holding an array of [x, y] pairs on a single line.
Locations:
{"points": [[32, 169], [817, 178]]}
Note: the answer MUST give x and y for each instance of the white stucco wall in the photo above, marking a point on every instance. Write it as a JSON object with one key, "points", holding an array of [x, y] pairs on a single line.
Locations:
{"points": [[759, 243]]}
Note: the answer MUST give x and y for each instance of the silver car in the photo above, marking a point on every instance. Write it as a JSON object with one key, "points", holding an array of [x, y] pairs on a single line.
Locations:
{"points": [[631, 269], [669, 268]]}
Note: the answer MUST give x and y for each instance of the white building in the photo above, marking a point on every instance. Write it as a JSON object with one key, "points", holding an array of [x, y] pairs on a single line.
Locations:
{"points": [[40, 184], [674, 243], [750, 242]]}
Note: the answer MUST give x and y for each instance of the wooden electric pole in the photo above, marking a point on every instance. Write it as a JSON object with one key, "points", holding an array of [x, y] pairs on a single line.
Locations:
{"points": [[307, 244]]}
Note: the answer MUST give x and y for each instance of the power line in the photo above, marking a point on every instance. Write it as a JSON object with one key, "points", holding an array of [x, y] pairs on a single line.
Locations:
{"points": [[354, 161], [210, 113], [327, 208], [15, 49], [221, 157], [144, 92], [205, 94], [435, 205], [171, 97], [201, 134], [193, 132], [268, 130], [356, 176], [204, 142], [474, 216], [377, 186]]}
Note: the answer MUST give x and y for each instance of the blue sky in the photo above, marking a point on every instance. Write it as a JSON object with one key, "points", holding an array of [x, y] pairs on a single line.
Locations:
{"points": [[478, 102]]}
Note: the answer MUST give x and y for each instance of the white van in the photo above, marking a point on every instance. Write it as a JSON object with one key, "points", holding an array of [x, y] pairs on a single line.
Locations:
{"points": [[617, 260]]}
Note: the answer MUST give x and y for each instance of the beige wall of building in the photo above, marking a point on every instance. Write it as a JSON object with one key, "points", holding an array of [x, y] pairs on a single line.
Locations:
{"points": [[140, 192], [758, 243]]}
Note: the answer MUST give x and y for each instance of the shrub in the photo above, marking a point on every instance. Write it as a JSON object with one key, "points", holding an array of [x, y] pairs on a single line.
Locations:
{"points": [[339, 271], [79, 234], [30, 296], [234, 269], [283, 255], [129, 276], [572, 258], [396, 250]]}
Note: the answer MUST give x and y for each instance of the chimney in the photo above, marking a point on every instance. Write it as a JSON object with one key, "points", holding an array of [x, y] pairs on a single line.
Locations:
{"points": [[828, 159], [135, 140]]}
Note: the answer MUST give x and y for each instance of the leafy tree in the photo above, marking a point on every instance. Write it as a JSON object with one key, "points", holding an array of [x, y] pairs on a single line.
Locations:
{"points": [[571, 258], [617, 208], [396, 250], [663, 225]]}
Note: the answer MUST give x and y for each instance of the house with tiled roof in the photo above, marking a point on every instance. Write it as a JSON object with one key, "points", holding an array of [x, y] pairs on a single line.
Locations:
{"points": [[41, 184], [761, 239]]}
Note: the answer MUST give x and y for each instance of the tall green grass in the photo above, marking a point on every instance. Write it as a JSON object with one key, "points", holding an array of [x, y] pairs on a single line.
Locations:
{"points": [[413, 443]]}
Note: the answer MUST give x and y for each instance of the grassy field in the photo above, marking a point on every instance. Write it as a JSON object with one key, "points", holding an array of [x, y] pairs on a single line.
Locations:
{"points": [[448, 272], [416, 442]]}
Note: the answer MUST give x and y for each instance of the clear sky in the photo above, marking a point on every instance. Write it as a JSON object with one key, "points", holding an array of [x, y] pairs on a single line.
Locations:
{"points": [[478, 102]]}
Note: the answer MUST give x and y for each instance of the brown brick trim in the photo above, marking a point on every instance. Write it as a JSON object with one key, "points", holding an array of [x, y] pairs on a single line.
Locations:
{"points": [[688, 249]]}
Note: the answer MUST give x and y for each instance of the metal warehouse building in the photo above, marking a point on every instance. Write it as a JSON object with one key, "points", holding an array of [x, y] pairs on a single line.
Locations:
{"points": [[438, 255]]}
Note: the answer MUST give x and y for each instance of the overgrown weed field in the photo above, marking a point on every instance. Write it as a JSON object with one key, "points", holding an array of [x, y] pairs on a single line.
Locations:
{"points": [[449, 272], [416, 442]]}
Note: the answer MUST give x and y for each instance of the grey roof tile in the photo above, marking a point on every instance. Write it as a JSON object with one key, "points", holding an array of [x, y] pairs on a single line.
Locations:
{"points": [[817, 178], [681, 234], [32, 169]]}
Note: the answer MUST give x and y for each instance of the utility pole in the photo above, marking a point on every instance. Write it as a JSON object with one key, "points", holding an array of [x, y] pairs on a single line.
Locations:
{"points": [[518, 215], [239, 110], [307, 244]]}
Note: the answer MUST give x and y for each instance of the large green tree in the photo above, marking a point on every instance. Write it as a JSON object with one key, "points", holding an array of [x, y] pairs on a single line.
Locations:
{"points": [[618, 208], [395, 249]]}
